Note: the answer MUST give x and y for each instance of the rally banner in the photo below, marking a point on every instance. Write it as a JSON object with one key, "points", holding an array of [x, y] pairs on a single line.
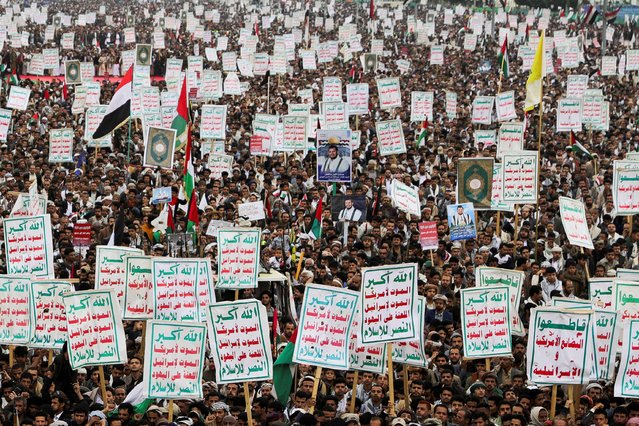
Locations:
{"points": [[48, 317], [485, 138], [175, 289], [110, 268], [60, 145], [332, 89], [624, 188], [569, 115], [389, 304], [334, 155], [138, 288], [15, 310], [390, 137], [213, 122], [28, 243], [18, 98], [406, 198], [573, 218], [294, 133], [238, 258], [413, 352], [505, 106], [486, 324], [601, 293], [220, 163], [475, 182], [240, 341], [520, 175], [325, 327], [461, 221], [421, 106], [510, 138], [488, 277], [497, 191], [174, 356], [390, 93], [483, 110], [627, 380], [560, 346], [356, 98], [365, 358], [205, 287], [94, 328]]}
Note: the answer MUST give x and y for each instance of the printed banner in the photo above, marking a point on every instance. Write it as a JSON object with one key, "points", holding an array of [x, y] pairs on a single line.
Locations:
{"points": [[461, 221], [294, 134], [357, 98], [520, 176], [213, 122], [48, 318], [624, 188], [573, 218], [486, 324], [238, 258], [390, 136], [159, 147], [110, 268], [28, 243], [421, 106], [15, 310], [428, 237], [487, 277], [138, 288], [175, 289], [365, 358], [60, 145], [406, 198], [240, 343], [205, 287], [220, 163], [627, 380], [334, 156], [505, 106], [600, 292], [510, 138], [389, 91], [569, 115], [483, 110], [413, 352], [18, 98]]}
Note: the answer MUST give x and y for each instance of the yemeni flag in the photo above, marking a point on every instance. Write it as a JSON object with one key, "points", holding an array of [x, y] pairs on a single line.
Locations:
{"points": [[591, 15], [181, 121], [576, 147], [119, 109], [502, 58], [423, 135], [193, 216], [189, 170], [372, 9], [316, 227], [284, 371], [611, 16]]}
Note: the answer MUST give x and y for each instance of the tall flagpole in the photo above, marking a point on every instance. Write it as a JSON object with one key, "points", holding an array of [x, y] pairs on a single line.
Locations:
{"points": [[541, 114]]}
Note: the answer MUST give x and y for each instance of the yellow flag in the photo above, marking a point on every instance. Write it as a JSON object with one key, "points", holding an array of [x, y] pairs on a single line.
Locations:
{"points": [[534, 83]]}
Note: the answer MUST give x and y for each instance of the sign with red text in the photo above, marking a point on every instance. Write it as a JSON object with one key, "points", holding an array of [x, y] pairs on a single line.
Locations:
{"points": [[357, 98], [238, 258], [294, 136], [48, 317], [205, 287], [505, 106], [483, 110], [365, 358], [421, 106], [110, 268], [15, 310], [489, 277], [390, 93], [428, 237], [28, 243], [213, 123], [413, 352], [175, 289], [390, 137], [138, 288], [60, 145], [486, 325], [573, 218], [601, 292], [520, 174]]}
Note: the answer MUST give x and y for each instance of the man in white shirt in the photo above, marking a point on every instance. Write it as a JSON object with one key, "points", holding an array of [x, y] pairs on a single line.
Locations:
{"points": [[550, 283], [333, 162], [349, 212], [461, 218]]}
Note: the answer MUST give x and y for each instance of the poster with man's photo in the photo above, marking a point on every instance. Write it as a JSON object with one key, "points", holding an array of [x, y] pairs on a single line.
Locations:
{"points": [[334, 156], [349, 208], [461, 221]]}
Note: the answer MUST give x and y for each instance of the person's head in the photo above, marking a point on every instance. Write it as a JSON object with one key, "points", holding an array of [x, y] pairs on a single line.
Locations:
{"points": [[479, 419], [376, 393], [600, 417], [441, 412], [332, 151], [40, 419], [126, 411], [594, 391], [307, 384], [620, 416]]}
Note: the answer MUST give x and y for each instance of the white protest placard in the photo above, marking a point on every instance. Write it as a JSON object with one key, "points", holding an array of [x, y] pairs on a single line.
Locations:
{"points": [[48, 317], [238, 257], [5, 120], [627, 380], [213, 121], [496, 203], [488, 277], [389, 304], [436, 55], [294, 133], [569, 115], [15, 310], [405, 198], [624, 176], [483, 110], [220, 163], [251, 211], [240, 341], [626, 299], [332, 89], [608, 65], [138, 288], [357, 98], [369, 357], [390, 137], [505, 106], [573, 218], [18, 98], [110, 268], [205, 286], [421, 106], [413, 352], [93, 118], [174, 356], [325, 326], [520, 177], [510, 138], [67, 41], [389, 91], [451, 105], [591, 111], [28, 246], [334, 114], [60, 145], [486, 138], [560, 346], [175, 289], [486, 324], [94, 328], [51, 58], [632, 60], [470, 42], [600, 292]]}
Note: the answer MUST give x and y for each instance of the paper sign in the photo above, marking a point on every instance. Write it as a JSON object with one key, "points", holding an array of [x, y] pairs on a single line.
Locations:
{"points": [[488, 277], [48, 317], [18, 98], [213, 122], [251, 210], [175, 289], [60, 145], [405, 198], [28, 244], [110, 268], [138, 288], [390, 93], [573, 218], [15, 310], [390, 137], [520, 177], [238, 258], [486, 324]]}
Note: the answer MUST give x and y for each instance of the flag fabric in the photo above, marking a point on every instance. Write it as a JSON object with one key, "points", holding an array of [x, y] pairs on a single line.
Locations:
{"points": [[189, 170], [119, 109], [591, 15], [502, 58], [65, 91], [372, 9], [267, 206], [15, 78], [423, 135], [611, 16], [535, 79], [284, 371], [193, 216], [170, 224], [181, 121], [575, 146], [316, 228], [351, 74], [118, 228], [256, 26]]}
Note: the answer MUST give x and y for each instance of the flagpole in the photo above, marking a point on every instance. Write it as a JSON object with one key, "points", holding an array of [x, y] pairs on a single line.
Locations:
{"points": [[541, 114]]}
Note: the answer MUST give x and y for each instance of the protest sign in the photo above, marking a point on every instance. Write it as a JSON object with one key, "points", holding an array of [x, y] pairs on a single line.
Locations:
{"points": [[48, 318], [451, 105], [485, 319], [510, 138], [389, 92], [505, 106], [389, 304], [624, 176], [110, 268], [475, 182], [161, 195], [483, 110], [94, 328], [18, 98], [495, 202], [560, 346], [488, 277], [485, 138], [60, 145], [626, 301], [159, 147], [428, 237], [627, 380], [251, 211], [94, 116], [413, 352], [294, 133], [220, 163], [15, 310], [239, 337], [334, 160], [520, 175], [238, 258], [573, 218], [365, 358], [436, 55], [390, 137], [325, 326], [405, 198], [5, 120], [357, 98], [576, 86], [569, 115], [592, 109], [421, 106], [72, 73], [205, 288], [28, 244], [600, 292], [174, 356], [461, 221], [213, 121], [175, 289], [332, 89], [138, 288]]}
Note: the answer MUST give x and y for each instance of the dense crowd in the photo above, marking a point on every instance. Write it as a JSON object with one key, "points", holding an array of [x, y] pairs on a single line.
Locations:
{"points": [[40, 390]]}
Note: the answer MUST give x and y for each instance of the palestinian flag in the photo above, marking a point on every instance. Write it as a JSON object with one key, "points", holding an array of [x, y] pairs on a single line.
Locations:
{"points": [[119, 109], [284, 371], [423, 136], [372, 9], [181, 121], [577, 147], [351, 74], [188, 174], [316, 227], [502, 58], [170, 224], [14, 79], [193, 216]]}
